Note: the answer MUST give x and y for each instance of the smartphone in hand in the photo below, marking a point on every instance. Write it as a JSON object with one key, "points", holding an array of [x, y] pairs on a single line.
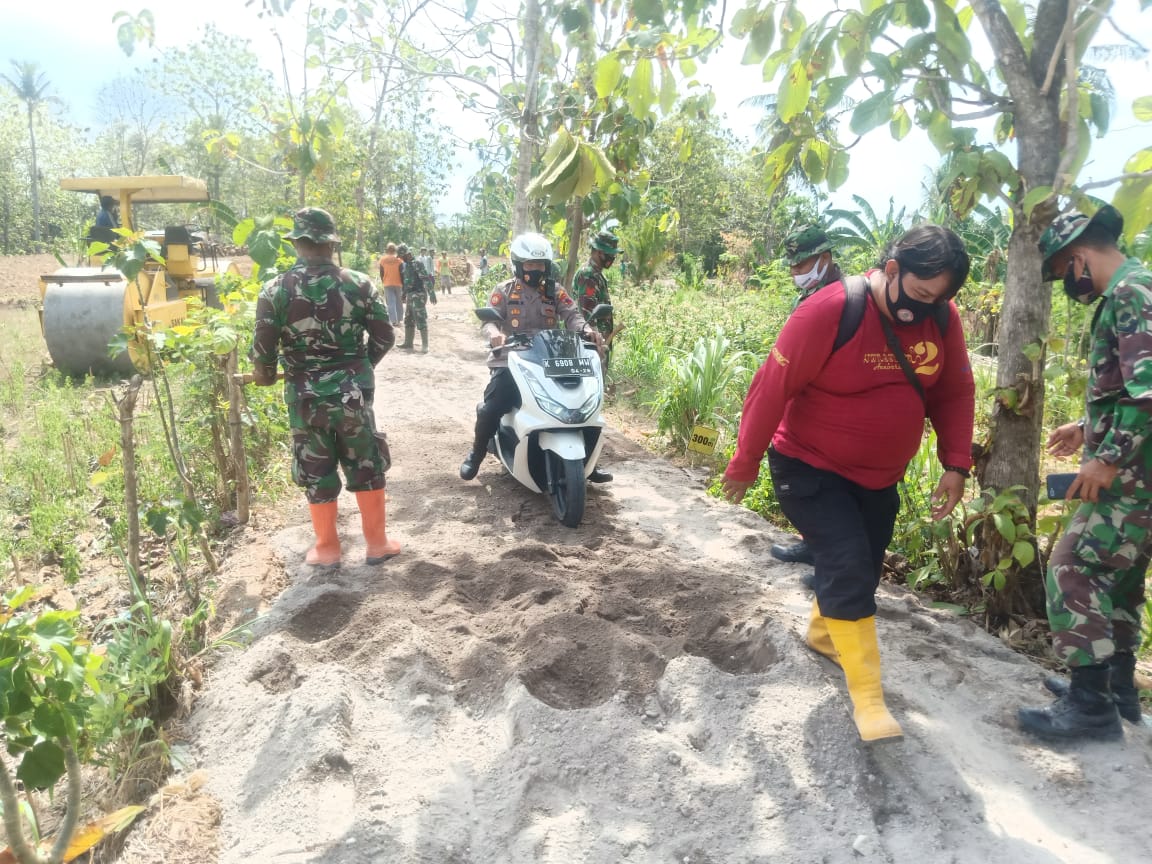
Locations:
{"points": [[1058, 485]]}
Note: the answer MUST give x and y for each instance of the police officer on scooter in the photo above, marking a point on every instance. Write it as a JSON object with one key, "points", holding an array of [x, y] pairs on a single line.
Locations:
{"points": [[528, 303]]}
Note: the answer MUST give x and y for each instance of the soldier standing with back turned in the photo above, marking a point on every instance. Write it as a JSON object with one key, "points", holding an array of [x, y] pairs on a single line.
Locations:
{"points": [[329, 329], [418, 290]]}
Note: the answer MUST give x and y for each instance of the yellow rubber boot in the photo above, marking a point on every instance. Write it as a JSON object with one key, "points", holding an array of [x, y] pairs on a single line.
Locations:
{"points": [[818, 638], [326, 551], [373, 521], [855, 643]]}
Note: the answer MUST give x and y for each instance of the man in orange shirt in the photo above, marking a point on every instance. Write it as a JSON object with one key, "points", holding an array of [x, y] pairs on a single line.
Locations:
{"points": [[393, 284]]}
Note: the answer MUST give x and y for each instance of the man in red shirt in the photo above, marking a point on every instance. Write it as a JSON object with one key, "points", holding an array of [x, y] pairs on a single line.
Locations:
{"points": [[840, 428]]}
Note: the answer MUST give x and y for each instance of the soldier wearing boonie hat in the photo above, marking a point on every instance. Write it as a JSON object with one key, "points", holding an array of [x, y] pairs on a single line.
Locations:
{"points": [[808, 251], [1095, 578], [591, 286], [315, 224], [328, 328]]}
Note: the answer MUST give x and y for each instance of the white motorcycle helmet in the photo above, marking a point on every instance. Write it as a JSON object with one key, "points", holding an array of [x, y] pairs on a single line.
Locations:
{"points": [[530, 247]]}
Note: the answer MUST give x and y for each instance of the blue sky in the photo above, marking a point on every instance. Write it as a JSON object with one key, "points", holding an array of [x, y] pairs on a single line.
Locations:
{"points": [[74, 41]]}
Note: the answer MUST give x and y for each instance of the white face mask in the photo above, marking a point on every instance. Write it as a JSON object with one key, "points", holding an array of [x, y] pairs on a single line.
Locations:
{"points": [[812, 277]]}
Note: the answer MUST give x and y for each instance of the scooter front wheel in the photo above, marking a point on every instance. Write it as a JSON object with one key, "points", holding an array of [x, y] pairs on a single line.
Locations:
{"points": [[567, 488]]}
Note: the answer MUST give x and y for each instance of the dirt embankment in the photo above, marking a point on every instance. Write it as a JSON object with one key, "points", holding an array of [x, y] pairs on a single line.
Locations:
{"points": [[635, 690]]}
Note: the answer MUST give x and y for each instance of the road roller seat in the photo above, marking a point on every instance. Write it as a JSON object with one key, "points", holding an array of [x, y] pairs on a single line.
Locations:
{"points": [[101, 234], [178, 249]]}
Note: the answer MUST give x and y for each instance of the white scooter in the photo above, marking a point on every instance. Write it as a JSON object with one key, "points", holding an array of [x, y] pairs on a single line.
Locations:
{"points": [[552, 441]]}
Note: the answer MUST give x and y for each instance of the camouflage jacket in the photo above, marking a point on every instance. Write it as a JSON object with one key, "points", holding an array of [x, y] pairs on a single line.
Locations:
{"points": [[529, 310], [416, 278], [1119, 397], [591, 287], [314, 319]]}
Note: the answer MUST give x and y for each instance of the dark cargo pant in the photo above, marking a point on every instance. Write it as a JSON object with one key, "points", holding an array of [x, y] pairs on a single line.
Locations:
{"points": [[340, 431], [415, 314], [1095, 580], [846, 526]]}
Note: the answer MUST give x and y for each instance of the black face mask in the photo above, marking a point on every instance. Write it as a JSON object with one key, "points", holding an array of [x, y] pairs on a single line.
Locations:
{"points": [[1081, 290], [905, 310], [534, 278]]}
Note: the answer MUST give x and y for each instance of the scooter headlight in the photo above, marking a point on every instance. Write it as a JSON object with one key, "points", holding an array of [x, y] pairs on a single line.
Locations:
{"points": [[564, 414]]}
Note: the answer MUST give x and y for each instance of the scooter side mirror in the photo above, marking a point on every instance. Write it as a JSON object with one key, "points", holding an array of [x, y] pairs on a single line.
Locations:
{"points": [[602, 310], [488, 315]]}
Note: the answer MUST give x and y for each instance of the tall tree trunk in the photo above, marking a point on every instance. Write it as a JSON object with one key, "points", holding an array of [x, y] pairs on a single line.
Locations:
{"points": [[1014, 459], [529, 121], [1015, 453], [575, 216], [35, 179]]}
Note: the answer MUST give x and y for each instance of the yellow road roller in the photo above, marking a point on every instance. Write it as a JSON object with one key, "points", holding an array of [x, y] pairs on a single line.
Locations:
{"points": [[84, 307]]}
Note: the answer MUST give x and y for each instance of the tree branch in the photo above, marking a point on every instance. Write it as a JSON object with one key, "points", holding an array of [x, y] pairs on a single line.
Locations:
{"points": [[1065, 34], [975, 115], [1010, 57], [1071, 83], [988, 95], [1047, 35], [72, 808], [1096, 184], [25, 854]]}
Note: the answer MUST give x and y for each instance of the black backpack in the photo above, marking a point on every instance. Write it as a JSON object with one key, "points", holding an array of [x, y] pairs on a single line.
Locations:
{"points": [[856, 301]]}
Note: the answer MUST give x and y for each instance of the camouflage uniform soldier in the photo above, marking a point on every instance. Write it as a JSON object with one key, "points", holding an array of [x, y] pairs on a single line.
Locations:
{"points": [[329, 328], [591, 287], [1095, 580], [418, 290], [589, 283], [809, 254]]}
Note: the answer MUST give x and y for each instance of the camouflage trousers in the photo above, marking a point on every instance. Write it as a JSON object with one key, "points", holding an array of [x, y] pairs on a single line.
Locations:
{"points": [[415, 314], [1095, 580], [337, 432]]}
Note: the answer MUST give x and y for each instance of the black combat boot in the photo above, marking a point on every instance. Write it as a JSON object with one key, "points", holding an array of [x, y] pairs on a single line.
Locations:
{"points": [[1086, 711], [470, 467], [793, 553], [1124, 693], [598, 476]]}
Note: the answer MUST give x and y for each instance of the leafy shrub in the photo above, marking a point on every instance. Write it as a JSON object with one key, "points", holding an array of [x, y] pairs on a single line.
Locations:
{"points": [[702, 387]]}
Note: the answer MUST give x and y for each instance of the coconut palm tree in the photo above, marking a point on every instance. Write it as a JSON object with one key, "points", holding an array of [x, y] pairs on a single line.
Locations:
{"points": [[31, 87]]}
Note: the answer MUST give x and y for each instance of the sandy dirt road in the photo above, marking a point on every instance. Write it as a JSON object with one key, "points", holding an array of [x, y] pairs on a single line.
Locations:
{"points": [[634, 690]]}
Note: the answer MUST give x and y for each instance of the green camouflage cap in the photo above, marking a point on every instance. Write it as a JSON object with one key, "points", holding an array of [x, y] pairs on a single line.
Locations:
{"points": [[1068, 226], [804, 242], [401, 250], [606, 242], [315, 225]]}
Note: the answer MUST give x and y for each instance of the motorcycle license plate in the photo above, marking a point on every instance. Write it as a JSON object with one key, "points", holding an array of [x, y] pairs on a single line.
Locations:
{"points": [[566, 367]]}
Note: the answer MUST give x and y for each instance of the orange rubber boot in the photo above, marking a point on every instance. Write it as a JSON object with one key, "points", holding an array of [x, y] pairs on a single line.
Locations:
{"points": [[373, 521], [326, 551]]}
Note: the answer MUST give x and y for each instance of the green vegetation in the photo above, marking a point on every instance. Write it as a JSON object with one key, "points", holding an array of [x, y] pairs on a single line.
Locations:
{"points": [[75, 691], [595, 117]]}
